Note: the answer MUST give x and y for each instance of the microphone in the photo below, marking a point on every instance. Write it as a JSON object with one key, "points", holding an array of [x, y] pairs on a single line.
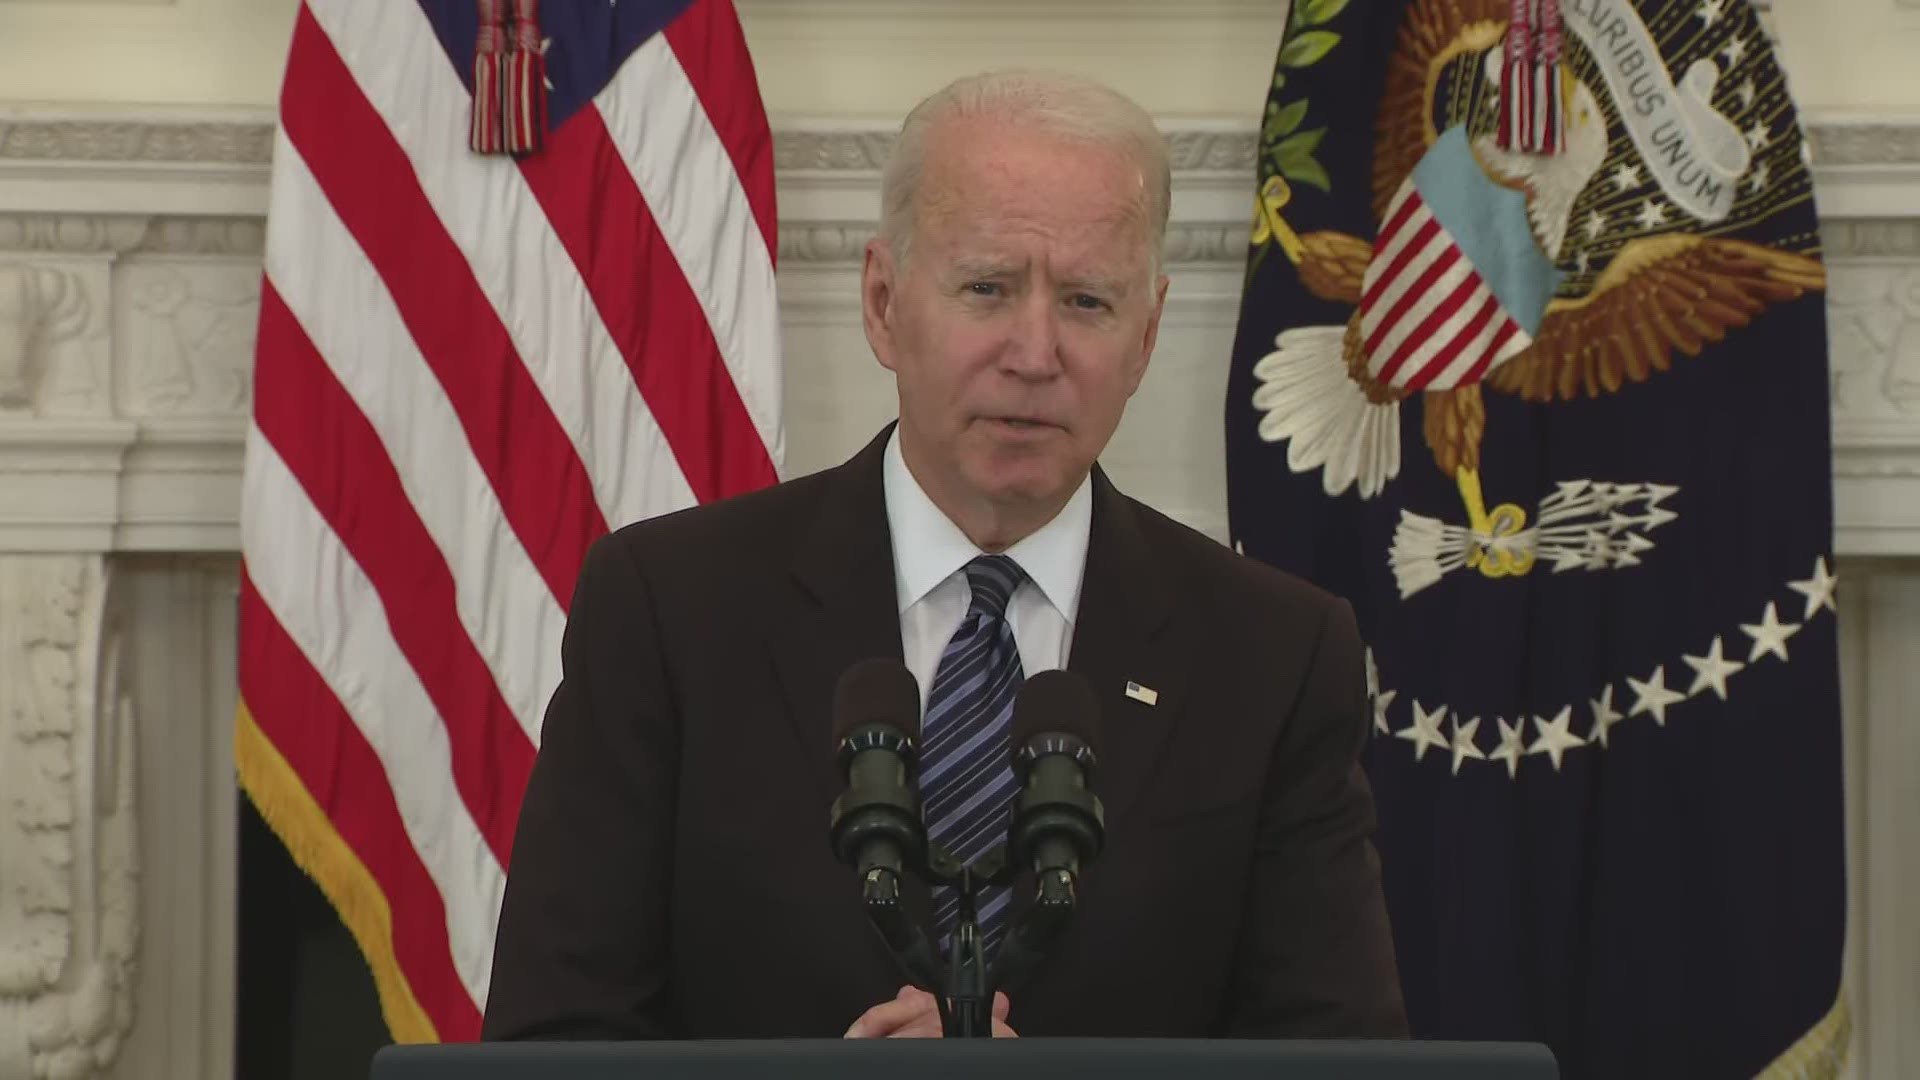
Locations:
{"points": [[876, 821], [1058, 823]]}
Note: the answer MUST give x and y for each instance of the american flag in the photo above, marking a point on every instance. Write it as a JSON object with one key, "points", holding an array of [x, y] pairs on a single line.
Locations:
{"points": [[469, 367]]}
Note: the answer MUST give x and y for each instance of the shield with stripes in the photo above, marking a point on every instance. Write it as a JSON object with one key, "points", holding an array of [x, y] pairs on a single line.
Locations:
{"points": [[1457, 284]]}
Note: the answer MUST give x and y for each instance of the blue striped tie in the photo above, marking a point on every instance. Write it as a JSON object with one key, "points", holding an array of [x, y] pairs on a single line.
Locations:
{"points": [[966, 779]]}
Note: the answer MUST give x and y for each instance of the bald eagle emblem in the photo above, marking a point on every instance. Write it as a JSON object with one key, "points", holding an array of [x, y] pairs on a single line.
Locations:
{"points": [[1554, 274]]}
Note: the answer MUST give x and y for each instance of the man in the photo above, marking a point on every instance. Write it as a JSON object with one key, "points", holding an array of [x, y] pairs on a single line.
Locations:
{"points": [[672, 877]]}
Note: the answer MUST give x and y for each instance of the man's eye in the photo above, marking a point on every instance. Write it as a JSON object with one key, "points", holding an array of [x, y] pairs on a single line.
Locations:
{"points": [[984, 288], [1086, 302]]}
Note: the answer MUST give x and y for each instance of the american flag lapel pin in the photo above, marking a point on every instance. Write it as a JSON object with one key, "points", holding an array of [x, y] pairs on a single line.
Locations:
{"points": [[1146, 695]]}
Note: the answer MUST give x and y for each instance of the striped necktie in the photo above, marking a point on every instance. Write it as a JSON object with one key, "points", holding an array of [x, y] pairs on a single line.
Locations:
{"points": [[966, 778]]}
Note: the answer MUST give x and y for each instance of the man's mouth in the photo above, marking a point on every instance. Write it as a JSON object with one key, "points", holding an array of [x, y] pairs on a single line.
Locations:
{"points": [[1024, 423]]}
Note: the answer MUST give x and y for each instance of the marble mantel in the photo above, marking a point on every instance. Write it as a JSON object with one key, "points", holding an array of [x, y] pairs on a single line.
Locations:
{"points": [[130, 247]]}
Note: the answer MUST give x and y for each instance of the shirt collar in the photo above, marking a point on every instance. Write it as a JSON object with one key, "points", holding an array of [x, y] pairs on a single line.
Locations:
{"points": [[928, 547]]}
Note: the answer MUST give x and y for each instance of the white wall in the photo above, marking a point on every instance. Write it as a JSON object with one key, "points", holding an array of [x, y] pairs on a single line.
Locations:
{"points": [[869, 58], [815, 57]]}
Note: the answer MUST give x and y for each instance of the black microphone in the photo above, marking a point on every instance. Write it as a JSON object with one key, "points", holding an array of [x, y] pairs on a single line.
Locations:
{"points": [[876, 821], [1058, 823]]}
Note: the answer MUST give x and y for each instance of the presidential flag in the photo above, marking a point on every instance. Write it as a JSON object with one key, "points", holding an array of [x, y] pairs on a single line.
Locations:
{"points": [[1531, 366], [519, 290]]}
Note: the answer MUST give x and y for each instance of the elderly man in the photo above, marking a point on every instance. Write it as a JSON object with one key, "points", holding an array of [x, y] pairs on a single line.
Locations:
{"points": [[671, 876]]}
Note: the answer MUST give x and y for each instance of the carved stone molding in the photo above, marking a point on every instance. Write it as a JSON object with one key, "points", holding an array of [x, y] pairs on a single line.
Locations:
{"points": [[1871, 237], [69, 918], [106, 140], [846, 241], [119, 234], [826, 242], [1213, 151], [866, 151], [203, 236], [53, 338], [1203, 149], [190, 332], [830, 151], [1208, 243], [1223, 149], [1864, 144], [73, 234], [1873, 314]]}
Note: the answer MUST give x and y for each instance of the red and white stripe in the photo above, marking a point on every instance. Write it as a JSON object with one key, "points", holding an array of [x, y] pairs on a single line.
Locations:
{"points": [[1428, 320], [468, 369]]}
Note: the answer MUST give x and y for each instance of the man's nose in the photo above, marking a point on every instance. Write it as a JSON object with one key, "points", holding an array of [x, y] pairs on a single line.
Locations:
{"points": [[1033, 348]]}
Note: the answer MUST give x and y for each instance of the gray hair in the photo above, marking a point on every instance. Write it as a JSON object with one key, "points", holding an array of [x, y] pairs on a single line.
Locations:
{"points": [[1061, 104]]}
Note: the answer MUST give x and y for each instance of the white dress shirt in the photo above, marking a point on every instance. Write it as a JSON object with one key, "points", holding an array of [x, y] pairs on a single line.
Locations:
{"points": [[930, 555]]}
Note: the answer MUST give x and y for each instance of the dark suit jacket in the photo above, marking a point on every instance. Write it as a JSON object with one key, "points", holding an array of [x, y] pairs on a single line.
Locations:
{"points": [[671, 874]]}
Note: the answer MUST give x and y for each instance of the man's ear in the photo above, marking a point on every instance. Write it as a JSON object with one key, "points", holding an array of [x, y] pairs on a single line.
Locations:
{"points": [[877, 289]]}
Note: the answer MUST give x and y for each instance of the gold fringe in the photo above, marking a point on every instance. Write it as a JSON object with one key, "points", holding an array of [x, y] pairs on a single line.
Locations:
{"points": [[319, 851], [1822, 1052]]}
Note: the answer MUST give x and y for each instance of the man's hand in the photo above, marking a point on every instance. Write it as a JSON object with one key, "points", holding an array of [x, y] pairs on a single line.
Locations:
{"points": [[913, 1014]]}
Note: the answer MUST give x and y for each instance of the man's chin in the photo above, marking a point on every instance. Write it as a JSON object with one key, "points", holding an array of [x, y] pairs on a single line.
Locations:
{"points": [[1024, 483]]}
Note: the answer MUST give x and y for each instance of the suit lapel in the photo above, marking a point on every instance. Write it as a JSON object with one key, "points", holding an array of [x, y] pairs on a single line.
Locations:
{"points": [[848, 612], [1119, 638], [1126, 602], [844, 569]]}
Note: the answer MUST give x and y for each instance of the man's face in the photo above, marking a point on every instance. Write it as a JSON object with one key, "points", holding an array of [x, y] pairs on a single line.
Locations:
{"points": [[1025, 315]]}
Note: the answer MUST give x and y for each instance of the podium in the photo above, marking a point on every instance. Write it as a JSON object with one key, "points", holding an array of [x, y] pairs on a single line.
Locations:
{"points": [[954, 1059]]}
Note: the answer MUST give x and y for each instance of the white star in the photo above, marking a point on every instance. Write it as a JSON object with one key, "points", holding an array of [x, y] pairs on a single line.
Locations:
{"points": [[1604, 715], [1749, 93], [1758, 177], [1626, 177], [1583, 262], [1463, 745], [1512, 744], [1735, 51], [1653, 215], [1769, 634], [1380, 703], [1596, 225], [1373, 696], [1757, 135], [1818, 589], [1652, 697], [1711, 670], [1708, 11], [1554, 738], [1425, 730]]}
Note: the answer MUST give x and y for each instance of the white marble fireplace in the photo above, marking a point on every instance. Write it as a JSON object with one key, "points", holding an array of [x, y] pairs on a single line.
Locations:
{"points": [[129, 275]]}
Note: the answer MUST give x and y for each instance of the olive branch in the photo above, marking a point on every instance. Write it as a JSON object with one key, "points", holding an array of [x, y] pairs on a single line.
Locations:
{"points": [[1287, 149]]}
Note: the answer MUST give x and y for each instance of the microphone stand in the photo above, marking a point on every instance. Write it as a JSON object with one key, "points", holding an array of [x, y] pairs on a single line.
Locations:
{"points": [[880, 891], [971, 1012], [965, 997]]}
